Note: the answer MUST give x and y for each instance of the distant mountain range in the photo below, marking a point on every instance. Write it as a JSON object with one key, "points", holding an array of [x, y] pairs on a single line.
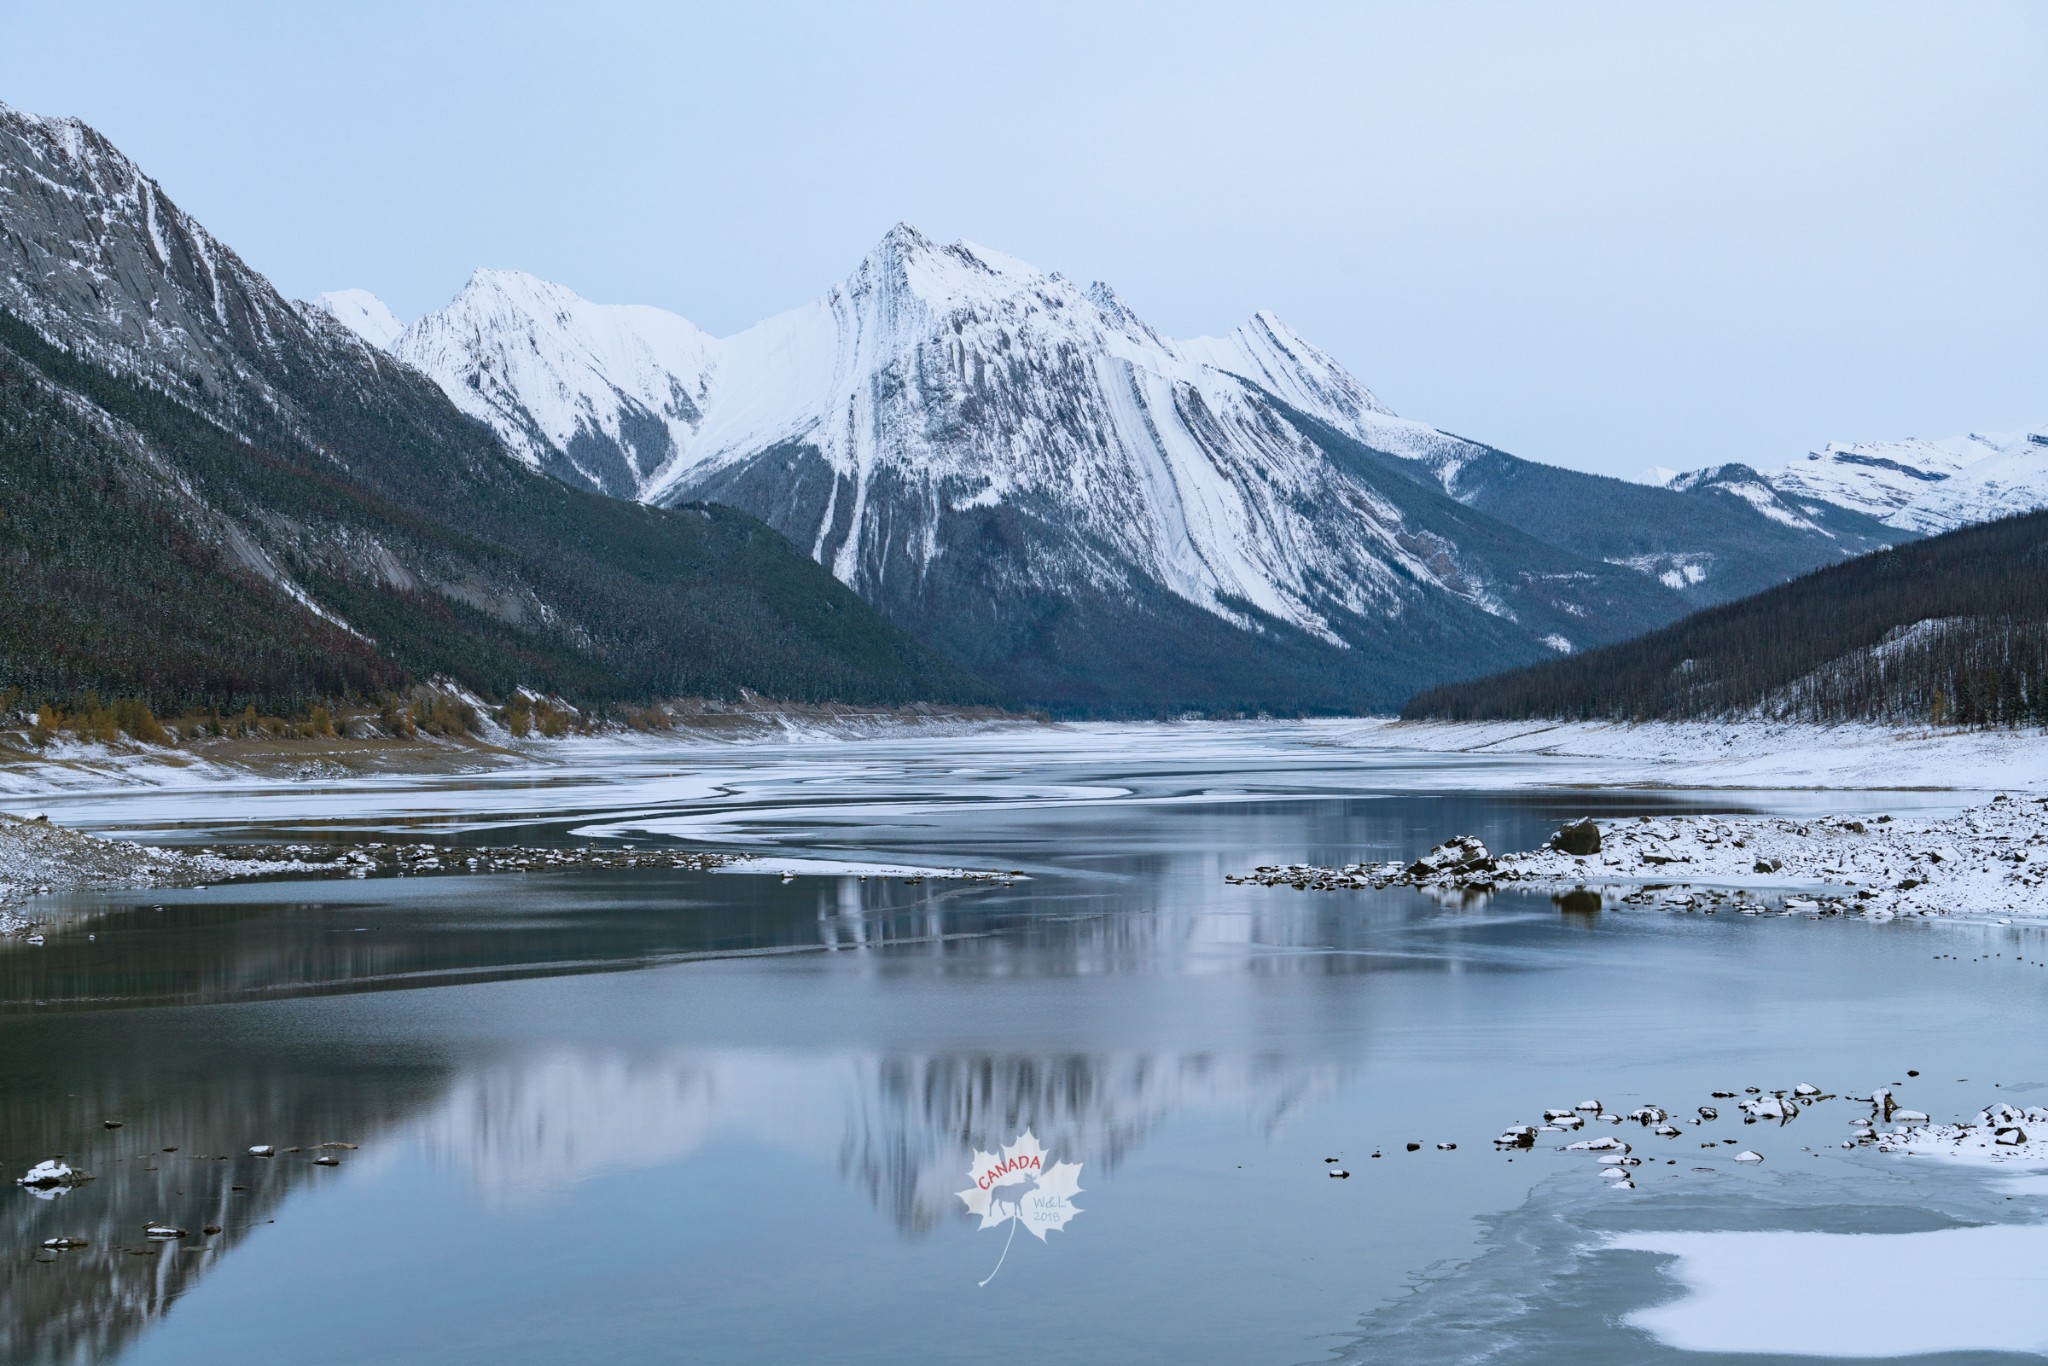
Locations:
{"points": [[1025, 475], [1951, 630], [213, 494], [213, 497], [1915, 485]]}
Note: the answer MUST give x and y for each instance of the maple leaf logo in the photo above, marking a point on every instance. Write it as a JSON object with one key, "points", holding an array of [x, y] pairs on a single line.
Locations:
{"points": [[1021, 1187]]}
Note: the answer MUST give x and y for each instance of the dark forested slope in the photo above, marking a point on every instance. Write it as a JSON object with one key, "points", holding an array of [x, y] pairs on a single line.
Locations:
{"points": [[212, 497], [1950, 630]]}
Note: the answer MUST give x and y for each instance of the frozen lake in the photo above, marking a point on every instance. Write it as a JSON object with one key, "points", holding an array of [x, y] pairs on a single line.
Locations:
{"points": [[721, 1116]]}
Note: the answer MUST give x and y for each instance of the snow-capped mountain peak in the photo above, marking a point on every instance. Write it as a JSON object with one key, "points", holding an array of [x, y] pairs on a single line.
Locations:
{"points": [[362, 313], [950, 429], [602, 394]]}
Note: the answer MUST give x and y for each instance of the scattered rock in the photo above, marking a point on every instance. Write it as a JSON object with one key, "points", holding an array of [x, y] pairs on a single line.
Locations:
{"points": [[262, 1150], [1579, 839], [163, 1232]]}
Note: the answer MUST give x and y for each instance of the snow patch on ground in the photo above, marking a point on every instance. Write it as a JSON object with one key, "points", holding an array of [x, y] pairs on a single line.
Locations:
{"points": [[1987, 861]]}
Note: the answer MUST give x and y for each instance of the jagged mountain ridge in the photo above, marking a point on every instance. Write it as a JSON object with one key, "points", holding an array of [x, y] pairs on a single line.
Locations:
{"points": [[951, 428], [1926, 486], [1729, 533], [214, 496]]}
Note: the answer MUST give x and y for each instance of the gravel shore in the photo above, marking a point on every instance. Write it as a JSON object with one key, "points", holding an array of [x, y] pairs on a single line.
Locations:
{"points": [[37, 857]]}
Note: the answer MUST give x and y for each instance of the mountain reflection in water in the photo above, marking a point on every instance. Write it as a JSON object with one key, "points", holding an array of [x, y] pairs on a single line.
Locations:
{"points": [[752, 1143]]}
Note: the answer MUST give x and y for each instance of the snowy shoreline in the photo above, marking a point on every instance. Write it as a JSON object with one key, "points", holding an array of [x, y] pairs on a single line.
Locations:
{"points": [[1990, 861], [1742, 754], [71, 766]]}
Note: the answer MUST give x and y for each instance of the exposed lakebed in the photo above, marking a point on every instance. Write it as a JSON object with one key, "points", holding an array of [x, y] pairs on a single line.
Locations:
{"points": [[751, 1146]]}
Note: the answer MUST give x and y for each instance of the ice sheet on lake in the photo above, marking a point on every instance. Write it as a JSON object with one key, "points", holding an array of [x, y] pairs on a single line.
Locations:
{"points": [[830, 867], [1853, 1294]]}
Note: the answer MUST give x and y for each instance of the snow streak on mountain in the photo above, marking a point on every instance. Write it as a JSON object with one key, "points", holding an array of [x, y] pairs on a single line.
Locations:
{"points": [[1029, 476]]}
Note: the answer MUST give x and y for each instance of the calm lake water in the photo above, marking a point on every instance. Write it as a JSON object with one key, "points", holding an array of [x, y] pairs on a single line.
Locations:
{"points": [[681, 1116]]}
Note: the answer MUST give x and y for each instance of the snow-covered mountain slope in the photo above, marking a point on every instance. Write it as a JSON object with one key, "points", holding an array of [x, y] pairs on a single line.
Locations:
{"points": [[214, 497], [601, 395], [951, 428], [1927, 486], [362, 313]]}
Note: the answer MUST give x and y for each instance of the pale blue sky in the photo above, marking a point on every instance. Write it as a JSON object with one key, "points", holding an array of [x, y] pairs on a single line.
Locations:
{"points": [[1611, 236]]}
